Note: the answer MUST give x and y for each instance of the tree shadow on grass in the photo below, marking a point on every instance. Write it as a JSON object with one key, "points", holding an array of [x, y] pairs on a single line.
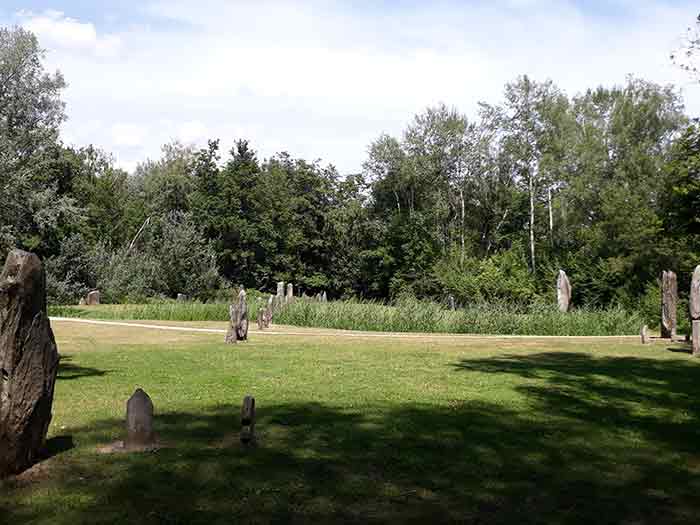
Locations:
{"points": [[609, 440], [69, 371]]}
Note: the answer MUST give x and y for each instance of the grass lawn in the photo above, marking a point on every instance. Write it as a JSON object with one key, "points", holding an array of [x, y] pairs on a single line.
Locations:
{"points": [[365, 430]]}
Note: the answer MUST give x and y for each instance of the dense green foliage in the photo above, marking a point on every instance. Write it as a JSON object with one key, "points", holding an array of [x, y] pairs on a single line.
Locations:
{"points": [[603, 184]]}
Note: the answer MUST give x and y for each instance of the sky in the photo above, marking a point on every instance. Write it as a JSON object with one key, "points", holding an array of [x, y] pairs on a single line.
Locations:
{"points": [[322, 80]]}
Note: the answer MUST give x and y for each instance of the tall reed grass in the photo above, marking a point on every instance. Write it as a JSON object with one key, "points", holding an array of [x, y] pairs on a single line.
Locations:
{"points": [[404, 316]]}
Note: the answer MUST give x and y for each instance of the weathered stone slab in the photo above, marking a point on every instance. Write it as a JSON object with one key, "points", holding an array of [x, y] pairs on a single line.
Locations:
{"points": [[280, 289], [261, 318], [324, 297], [139, 421], [248, 420], [695, 295], [93, 298], [238, 319], [289, 298], [669, 304], [82, 302], [563, 292], [269, 311], [696, 339], [181, 298], [451, 302], [644, 333], [28, 362]]}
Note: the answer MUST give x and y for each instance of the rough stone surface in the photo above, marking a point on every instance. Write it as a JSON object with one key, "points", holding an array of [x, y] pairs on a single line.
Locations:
{"points": [[290, 293], [93, 298], [181, 297], [261, 319], [238, 315], [269, 311], [248, 419], [696, 338], [28, 362], [563, 292], [139, 421], [451, 301], [82, 302], [324, 297], [644, 333], [695, 295], [280, 289], [669, 303]]}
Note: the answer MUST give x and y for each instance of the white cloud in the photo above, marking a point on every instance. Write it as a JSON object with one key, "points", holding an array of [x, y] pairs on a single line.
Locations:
{"points": [[323, 80], [57, 31]]}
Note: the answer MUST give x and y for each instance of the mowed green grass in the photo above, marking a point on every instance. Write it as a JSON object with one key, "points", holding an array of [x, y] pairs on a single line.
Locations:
{"points": [[365, 430]]}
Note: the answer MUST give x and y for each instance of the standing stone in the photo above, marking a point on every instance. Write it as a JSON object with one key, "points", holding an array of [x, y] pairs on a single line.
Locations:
{"points": [[644, 333], [669, 302], [324, 297], [248, 420], [280, 290], [28, 362], [82, 302], [696, 338], [181, 298], [269, 311], [139, 421], [93, 298], [563, 292], [289, 298], [451, 300], [695, 295], [261, 318], [238, 315]]}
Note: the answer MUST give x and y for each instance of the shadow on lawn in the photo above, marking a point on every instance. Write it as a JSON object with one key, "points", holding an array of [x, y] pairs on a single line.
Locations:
{"points": [[609, 440], [68, 370]]}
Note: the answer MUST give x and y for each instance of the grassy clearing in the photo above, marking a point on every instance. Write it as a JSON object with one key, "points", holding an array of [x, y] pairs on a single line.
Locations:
{"points": [[406, 316], [370, 430]]}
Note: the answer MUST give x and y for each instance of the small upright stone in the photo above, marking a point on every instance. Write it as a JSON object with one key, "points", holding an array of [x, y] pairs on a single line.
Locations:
{"points": [[280, 289], [451, 300], [669, 302], [181, 298], [82, 302], [563, 292], [248, 420], [93, 298], [139, 421], [269, 311], [28, 362], [289, 298], [695, 295], [238, 316], [324, 297], [644, 333], [696, 338], [261, 318]]}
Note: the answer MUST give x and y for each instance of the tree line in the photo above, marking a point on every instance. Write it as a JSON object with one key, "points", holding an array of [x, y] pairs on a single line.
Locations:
{"points": [[604, 184]]}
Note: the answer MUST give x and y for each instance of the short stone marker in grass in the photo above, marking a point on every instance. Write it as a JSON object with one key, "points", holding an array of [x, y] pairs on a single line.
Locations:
{"points": [[248, 420], [289, 298], [238, 319], [139, 422], [28, 362], [696, 338], [93, 298], [645, 335]]}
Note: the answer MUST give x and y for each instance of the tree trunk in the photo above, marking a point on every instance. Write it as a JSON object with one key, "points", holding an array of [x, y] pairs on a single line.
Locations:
{"points": [[532, 221]]}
